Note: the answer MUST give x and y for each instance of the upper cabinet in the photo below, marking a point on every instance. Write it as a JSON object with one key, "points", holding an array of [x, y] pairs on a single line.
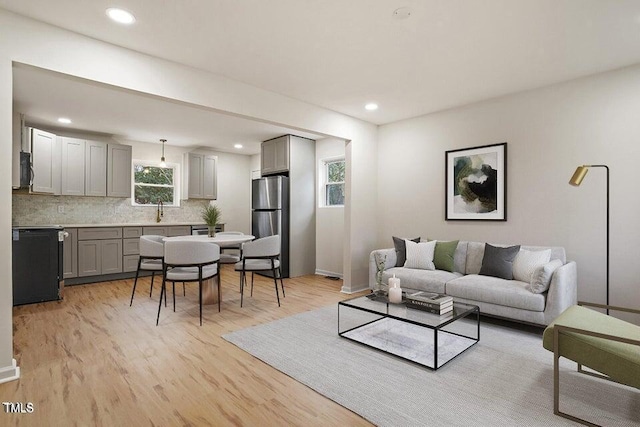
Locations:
{"points": [[95, 169], [119, 170], [79, 167], [201, 176], [45, 162], [275, 155], [73, 158]]}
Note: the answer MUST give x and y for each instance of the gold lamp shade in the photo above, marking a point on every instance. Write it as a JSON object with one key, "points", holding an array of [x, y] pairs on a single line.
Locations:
{"points": [[579, 175]]}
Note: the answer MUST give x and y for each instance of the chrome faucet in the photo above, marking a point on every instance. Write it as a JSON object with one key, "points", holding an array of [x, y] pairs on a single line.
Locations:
{"points": [[160, 212]]}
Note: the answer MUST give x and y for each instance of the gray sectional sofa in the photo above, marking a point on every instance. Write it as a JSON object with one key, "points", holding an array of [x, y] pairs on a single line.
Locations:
{"points": [[498, 297]]}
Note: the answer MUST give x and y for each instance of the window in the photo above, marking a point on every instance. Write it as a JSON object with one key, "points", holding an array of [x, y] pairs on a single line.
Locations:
{"points": [[152, 184], [334, 182]]}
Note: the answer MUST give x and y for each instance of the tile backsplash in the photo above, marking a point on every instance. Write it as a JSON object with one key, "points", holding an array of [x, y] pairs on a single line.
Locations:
{"points": [[31, 209]]}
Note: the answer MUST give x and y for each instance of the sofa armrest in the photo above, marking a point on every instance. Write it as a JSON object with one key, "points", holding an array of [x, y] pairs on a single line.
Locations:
{"points": [[389, 262], [563, 291]]}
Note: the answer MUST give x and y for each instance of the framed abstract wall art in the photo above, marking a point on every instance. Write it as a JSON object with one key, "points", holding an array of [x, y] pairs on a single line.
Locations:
{"points": [[476, 183]]}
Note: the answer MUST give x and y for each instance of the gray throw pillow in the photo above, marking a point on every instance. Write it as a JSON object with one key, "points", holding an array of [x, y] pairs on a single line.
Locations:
{"points": [[541, 278], [401, 249], [498, 262]]}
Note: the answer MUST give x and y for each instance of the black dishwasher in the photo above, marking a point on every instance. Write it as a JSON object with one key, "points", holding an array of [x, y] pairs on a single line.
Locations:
{"points": [[37, 264]]}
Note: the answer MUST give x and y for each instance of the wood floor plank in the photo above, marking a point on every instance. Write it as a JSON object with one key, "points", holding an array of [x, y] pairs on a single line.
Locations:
{"points": [[93, 360]]}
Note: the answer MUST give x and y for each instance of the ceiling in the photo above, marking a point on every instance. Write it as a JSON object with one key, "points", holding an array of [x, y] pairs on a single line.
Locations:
{"points": [[44, 96], [342, 54]]}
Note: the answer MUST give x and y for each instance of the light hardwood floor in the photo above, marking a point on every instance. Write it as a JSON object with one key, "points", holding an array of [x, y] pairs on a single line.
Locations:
{"points": [[93, 360]]}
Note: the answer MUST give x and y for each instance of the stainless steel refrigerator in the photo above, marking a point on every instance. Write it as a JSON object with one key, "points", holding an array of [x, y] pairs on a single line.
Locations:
{"points": [[270, 213]]}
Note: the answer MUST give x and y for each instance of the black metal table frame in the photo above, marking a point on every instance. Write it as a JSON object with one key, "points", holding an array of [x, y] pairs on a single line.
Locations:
{"points": [[475, 309]]}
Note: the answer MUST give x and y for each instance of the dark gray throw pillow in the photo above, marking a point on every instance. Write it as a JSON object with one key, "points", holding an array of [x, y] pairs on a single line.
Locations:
{"points": [[401, 249], [498, 262]]}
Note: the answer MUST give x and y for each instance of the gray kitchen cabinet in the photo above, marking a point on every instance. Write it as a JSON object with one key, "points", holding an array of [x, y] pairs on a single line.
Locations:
{"points": [[45, 162], [95, 169], [118, 170], [130, 232], [156, 231], [178, 230], [96, 257], [70, 254], [275, 155], [72, 165], [130, 263], [131, 246], [201, 176], [99, 251]]}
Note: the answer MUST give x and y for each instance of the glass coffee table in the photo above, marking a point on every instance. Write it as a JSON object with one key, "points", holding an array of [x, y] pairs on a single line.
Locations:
{"points": [[427, 339]]}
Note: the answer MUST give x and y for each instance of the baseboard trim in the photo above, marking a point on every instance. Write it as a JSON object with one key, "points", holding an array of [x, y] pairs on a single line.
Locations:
{"points": [[10, 373], [353, 291], [328, 273]]}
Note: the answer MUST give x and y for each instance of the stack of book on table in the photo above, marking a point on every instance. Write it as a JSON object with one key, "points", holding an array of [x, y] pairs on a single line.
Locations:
{"points": [[431, 302]]}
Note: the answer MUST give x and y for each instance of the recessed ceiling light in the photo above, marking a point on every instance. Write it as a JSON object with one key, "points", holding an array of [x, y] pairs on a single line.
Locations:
{"points": [[237, 145], [371, 106], [64, 120], [121, 16]]}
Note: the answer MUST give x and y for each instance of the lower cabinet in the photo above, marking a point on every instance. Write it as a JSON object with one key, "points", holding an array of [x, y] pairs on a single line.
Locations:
{"points": [[96, 257], [70, 254], [98, 251]]}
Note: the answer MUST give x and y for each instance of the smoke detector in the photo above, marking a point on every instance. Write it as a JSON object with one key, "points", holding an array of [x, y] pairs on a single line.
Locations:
{"points": [[402, 13]]}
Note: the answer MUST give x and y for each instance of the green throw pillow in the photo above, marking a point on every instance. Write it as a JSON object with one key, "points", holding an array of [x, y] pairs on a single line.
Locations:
{"points": [[443, 255]]}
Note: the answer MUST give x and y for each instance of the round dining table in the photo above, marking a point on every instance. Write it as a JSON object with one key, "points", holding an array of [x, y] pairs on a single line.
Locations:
{"points": [[209, 291]]}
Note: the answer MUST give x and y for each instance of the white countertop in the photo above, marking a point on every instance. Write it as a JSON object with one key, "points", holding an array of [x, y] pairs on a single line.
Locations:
{"points": [[130, 224]]}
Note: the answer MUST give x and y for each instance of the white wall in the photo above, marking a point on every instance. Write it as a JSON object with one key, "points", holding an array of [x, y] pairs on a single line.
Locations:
{"points": [[549, 132], [41, 45], [329, 220]]}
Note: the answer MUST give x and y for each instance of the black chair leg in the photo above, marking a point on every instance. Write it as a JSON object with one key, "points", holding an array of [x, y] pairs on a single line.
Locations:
{"points": [[219, 294], [200, 299], [153, 276], [242, 279], [252, 284], [281, 282], [160, 302], [174, 296], [275, 282], [135, 282], [184, 292]]}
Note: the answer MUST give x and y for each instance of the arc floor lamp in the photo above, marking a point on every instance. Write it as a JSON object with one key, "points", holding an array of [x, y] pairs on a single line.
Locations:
{"points": [[576, 180]]}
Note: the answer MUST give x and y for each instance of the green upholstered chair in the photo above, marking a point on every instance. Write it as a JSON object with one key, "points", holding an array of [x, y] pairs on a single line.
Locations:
{"points": [[602, 343]]}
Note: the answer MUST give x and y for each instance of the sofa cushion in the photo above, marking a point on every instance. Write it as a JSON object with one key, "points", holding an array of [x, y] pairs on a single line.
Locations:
{"points": [[420, 255], [527, 262], [443, 255], [475, 253], [510, 293], [401, 249], [422, 280], [498, 262], [541, 279]]}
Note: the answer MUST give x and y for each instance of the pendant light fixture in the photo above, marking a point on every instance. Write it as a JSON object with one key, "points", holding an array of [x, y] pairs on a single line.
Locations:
{"points": [[163, 164]]}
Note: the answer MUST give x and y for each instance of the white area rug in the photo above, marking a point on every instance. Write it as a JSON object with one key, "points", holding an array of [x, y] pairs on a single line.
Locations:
{"points": [[504, 380]]}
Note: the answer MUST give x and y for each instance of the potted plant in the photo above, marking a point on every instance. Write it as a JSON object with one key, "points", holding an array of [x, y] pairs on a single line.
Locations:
{"points": [[211, 215]]}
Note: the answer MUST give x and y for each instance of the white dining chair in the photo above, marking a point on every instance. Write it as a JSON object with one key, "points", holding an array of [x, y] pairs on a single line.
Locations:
{"points": [[260, 255], [151, 256], [189, 261], [230, 258]]}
